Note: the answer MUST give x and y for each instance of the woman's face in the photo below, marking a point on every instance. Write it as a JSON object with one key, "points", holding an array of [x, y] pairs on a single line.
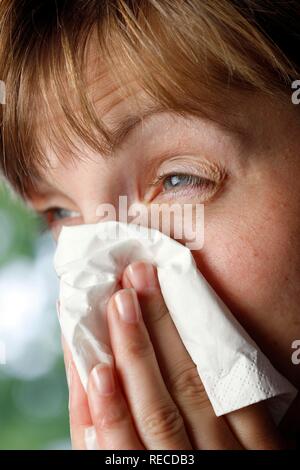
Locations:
{"points": [[248, 178]]}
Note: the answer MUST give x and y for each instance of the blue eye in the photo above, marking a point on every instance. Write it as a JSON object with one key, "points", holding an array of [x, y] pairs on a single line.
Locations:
{"points": [[56, 214], [61, 213], [175, 181]]}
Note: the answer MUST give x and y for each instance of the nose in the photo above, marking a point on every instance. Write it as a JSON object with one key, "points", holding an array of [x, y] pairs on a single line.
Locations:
{"points": [[122, 208], [99, 197]]}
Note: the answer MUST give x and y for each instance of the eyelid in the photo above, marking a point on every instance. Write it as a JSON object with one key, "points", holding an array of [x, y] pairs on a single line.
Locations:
{"points": [[202, 168], [211, 174], [53, 223], [67, 210], [57, 208], [43, 201], [160, 178]]}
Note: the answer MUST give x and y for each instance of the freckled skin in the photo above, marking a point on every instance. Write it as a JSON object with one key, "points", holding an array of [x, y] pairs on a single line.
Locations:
{"points": [[251, 254]]}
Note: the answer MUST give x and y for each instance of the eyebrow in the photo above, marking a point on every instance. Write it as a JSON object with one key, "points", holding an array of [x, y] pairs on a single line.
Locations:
{"points": [[118, 131], [123, 128]]}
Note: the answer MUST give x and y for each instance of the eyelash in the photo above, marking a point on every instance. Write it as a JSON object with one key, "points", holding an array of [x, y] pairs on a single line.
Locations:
{"points": [[192, 181], [49, 215]]}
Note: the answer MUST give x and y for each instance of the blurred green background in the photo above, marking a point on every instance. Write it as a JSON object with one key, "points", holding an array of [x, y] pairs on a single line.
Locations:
{"points": [[33, 388]]}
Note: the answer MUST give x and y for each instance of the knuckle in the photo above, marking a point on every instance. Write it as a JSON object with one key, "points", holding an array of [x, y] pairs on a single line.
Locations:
{"points": [[187, 386], [136, 348], [111, 418], [165, 422], [158, 312]]}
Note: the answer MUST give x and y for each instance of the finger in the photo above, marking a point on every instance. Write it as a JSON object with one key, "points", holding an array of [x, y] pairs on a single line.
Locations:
{"points": [[255, 428], [204, 428], [110, 414], [157, 419], [80, 418]]}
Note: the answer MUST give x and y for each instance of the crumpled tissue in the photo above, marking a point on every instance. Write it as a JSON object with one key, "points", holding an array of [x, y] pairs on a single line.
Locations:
{"points": [[89, 261]]}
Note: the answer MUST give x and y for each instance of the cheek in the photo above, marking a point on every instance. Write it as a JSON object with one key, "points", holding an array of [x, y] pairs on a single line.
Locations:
{"points": [[251, 258], [255, 270]]}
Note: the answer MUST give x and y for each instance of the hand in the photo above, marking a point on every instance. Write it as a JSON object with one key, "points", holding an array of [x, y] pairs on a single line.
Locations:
{"points": [[152, 397]]}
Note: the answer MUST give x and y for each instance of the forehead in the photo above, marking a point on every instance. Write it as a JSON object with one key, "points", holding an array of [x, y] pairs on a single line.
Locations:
{"points": [[117, 99]]}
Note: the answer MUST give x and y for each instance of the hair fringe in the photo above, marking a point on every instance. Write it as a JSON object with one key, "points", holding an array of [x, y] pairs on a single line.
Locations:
{"points": [[184, 54]]}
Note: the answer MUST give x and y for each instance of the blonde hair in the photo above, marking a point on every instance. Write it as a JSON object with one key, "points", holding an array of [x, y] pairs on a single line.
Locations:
{"points": [[189, 55]]}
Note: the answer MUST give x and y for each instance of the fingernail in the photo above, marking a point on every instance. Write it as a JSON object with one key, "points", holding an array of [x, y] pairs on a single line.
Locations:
{"points": [[103, 378], [142, 276], [127, 305], [57, 308], [90, 438], [69, 373]]}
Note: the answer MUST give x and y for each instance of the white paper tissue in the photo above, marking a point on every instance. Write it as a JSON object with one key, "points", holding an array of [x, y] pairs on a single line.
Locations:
{"points": [[90, 260]]}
